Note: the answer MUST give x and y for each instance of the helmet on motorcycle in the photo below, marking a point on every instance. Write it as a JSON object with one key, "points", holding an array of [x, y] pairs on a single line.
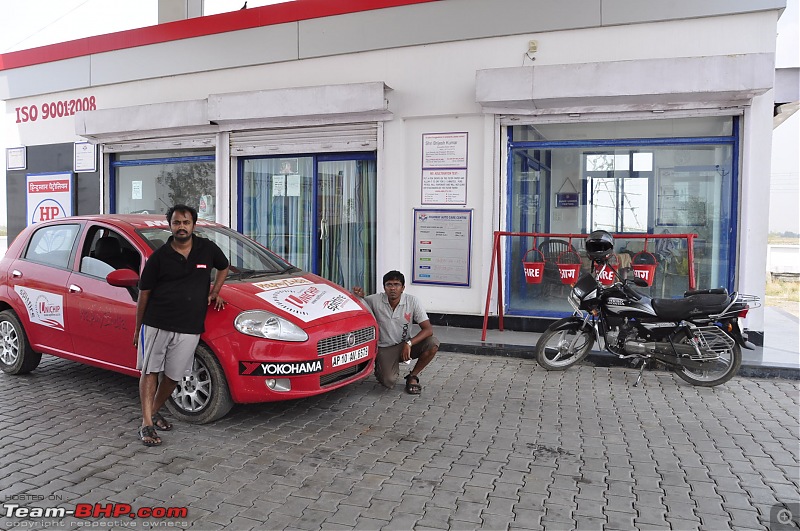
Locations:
{"points": [[599, 245]]}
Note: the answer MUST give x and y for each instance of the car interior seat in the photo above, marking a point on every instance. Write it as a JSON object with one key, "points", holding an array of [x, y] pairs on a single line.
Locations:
{"points": [[109, 251]]}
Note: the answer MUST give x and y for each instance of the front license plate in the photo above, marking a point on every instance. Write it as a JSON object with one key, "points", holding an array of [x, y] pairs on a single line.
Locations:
{"points": [[348, 357]]}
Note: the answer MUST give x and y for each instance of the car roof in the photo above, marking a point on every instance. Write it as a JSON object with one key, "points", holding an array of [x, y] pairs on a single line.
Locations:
{"points": [[137, 221]]}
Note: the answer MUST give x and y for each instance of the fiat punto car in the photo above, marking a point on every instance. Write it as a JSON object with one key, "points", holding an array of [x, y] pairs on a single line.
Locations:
{"points": [[68, 288]]}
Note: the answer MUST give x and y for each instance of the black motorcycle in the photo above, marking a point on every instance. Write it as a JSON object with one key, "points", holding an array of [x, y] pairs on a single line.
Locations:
{"points": [[698, 335]]}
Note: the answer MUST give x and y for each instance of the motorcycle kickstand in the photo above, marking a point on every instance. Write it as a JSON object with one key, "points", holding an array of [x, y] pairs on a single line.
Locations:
{"points": [[641, 371]]}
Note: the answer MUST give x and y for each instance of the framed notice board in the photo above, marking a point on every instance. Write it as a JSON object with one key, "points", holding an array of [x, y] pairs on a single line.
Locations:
{"points": [[442, 247]]}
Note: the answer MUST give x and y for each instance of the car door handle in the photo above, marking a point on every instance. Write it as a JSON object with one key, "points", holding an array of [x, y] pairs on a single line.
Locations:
{"points": [[16, 274], [74, 289]]}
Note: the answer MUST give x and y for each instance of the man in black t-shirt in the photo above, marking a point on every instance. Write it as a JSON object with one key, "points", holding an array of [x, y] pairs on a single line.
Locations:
{"points": [[171, 311]]}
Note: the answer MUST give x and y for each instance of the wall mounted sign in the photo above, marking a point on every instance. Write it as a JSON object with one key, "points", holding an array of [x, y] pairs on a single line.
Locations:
{"points": [[49, 196], [442, 247], [444, 150], [444, 187], [16, 158], [85, 157], [444, 168]]}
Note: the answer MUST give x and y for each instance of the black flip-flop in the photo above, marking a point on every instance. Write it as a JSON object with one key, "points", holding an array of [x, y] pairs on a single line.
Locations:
{"points": [[160, 422], [411, 387], [149, 432]]}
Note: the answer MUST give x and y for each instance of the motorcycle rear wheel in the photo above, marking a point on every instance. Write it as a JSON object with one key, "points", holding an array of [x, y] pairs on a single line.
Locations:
{"points": [[560, 349], [719, 370]]}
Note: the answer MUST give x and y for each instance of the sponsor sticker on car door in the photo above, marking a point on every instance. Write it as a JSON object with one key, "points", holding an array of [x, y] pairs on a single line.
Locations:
{"points": [[43, 308]]}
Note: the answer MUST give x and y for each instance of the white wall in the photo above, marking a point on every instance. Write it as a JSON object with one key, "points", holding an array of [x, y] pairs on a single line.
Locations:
{"points": [[433, 90]]}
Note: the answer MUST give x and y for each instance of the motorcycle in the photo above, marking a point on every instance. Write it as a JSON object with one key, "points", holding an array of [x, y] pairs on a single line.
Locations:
{"points": [[697, 335]]}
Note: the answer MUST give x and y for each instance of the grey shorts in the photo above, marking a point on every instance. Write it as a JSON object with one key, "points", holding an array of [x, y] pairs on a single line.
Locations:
{"points": [[168, 352], [387, 362]]}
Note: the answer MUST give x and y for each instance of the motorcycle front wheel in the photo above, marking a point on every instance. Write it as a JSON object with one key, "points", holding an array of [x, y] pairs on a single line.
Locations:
{"points": [[561, 347], [716, 371]]}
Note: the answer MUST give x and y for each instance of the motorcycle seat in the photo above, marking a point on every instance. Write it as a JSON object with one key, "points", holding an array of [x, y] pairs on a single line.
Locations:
{"points": [[693, 305]]}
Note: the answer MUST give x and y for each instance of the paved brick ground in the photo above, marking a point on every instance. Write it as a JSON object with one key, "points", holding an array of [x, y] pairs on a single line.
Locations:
{"points": [[492, 443]]}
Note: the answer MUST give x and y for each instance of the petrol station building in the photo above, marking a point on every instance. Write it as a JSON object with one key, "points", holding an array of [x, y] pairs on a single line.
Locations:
{"points": [[357, 137]]}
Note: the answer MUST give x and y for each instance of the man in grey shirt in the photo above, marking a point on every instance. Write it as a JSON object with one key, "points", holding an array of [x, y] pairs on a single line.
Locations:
{"points": [[395, 312]]}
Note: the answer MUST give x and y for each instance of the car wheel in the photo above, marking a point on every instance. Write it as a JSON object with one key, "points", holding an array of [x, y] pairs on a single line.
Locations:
{"points": [[16, 355], [203, 396]]}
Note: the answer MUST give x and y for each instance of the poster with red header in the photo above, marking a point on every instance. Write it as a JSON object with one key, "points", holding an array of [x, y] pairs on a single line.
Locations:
{"points": [[49, 196]]}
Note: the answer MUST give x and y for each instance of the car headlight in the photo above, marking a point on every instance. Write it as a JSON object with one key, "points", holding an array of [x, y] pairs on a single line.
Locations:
{"points": [[265, 324]]}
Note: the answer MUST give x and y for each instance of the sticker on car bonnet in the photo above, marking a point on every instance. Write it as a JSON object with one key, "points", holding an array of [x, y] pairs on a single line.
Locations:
{"points": [[44, 308], [310, 302]]}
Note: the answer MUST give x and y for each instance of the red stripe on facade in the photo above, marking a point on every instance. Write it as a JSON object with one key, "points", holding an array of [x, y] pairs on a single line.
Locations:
{"points": [[196, 27]]}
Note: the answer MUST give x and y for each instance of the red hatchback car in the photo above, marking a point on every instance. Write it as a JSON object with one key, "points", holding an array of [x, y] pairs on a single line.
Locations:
{"points": [[68, 288]]}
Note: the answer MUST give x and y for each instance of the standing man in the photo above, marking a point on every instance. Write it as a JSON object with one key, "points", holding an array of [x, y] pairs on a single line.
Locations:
{"points": [[171, 312], [395, 311]]}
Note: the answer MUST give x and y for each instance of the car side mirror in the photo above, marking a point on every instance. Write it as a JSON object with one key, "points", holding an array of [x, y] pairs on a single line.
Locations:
{"points": [[123, 278]]}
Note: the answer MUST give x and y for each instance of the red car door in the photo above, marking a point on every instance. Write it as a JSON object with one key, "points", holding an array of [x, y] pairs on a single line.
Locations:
{"points": [[39, 277], [107, 314]]}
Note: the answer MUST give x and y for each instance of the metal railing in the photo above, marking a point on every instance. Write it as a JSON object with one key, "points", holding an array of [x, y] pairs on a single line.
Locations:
{"points": [[497, 262]]}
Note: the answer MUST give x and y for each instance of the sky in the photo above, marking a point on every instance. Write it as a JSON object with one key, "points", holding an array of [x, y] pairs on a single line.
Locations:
{"points": [[30, 23], [27, 24]]}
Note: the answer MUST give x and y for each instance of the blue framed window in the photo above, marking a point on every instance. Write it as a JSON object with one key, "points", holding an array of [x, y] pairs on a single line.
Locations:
{"points": [[664, 177], [153, 182], [318, 211]]}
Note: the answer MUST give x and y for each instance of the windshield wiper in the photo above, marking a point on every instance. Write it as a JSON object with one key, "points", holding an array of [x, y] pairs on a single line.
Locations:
{"points": [[241, 273]]}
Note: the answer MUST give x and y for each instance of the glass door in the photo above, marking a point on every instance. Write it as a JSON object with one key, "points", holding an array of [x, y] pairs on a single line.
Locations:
{"points": [[346, 217], [278, 206], [317, 212]]}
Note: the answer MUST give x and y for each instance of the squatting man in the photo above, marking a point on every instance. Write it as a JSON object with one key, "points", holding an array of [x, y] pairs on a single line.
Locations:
{"points": [[395, 312]]}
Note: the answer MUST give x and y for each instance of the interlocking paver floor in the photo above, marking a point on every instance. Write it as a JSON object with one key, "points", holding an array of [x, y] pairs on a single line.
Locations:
{"points": [[492, 443]]}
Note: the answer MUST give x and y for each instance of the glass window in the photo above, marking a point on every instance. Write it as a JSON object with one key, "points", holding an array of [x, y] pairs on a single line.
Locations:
{"points": [[639, 186], [105, 250], [152, 182], [53, 245], [318, 212]]}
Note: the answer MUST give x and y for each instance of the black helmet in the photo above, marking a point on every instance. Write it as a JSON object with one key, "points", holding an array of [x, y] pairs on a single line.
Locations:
{"points": [[599, 245]]}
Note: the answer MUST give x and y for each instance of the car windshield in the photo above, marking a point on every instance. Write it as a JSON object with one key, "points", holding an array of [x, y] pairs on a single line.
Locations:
{"points": [[247, 259]]}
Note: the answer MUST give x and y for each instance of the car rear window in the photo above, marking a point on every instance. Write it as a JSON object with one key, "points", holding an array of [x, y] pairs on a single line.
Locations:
{"points": [[53, 245]]}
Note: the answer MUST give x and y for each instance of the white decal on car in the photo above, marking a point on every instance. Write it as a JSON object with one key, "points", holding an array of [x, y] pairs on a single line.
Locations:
{"points": [[310, 302], [43, 308]]}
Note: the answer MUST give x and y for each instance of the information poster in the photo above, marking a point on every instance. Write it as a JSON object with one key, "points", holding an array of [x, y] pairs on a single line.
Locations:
{"points": [[444, 150], [49, 196], [442, 247], [444, 168], [85, 157], [444, 187], [16, 158]]}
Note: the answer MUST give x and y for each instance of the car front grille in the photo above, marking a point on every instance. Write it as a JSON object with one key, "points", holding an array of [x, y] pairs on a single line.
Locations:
{"points": [[340, 342], [344, 374]]}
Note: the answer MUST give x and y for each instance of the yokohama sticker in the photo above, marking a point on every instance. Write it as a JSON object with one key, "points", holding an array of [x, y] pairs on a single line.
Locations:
{"points": [[44, 308], [295, 368], [310, 301]]}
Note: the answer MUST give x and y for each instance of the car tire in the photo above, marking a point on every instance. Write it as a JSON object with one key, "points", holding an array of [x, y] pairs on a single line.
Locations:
{"points": [[16, 355], [203, 396]]}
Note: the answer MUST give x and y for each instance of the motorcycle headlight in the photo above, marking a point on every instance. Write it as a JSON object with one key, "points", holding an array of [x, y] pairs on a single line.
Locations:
{"points": [[265, 324]]}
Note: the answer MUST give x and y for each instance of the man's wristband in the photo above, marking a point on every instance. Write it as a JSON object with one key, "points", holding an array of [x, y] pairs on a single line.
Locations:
{"points": [[410, 344]]}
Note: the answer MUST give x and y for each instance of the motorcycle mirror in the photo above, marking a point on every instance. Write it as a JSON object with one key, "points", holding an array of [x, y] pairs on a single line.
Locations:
{"points": [[642, 283]]}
